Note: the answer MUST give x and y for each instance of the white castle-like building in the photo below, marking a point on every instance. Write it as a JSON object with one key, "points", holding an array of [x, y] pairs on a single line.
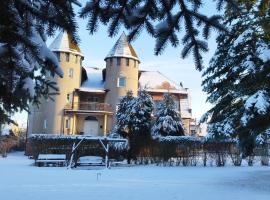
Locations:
{"points": [[88, 96]]}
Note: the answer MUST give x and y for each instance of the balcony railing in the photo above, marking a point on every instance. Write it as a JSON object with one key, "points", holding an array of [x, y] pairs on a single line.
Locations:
{"points": [[89, 106]]}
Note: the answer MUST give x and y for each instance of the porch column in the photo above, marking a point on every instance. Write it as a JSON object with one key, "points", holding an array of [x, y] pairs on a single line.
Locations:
{"points": [[74, 127], [76, 101], [105, 125]]}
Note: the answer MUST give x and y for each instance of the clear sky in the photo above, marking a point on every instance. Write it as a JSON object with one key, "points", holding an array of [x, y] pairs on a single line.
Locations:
{"points": [[96, 47]]}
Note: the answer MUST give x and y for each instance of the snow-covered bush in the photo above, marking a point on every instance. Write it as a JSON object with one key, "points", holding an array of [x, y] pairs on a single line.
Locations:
{"points": [[6, 143]]}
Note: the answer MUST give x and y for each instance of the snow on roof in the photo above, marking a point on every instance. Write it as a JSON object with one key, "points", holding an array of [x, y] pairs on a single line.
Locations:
{"points": [[63, 42], [122, 48], [154, 81], [94, 82]]}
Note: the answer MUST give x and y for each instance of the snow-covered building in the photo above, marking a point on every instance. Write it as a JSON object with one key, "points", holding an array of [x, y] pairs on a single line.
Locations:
{"points": [[88, 96]]}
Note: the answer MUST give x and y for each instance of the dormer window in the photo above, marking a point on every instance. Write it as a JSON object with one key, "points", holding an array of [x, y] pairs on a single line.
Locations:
{"points": [[118, 61], [121, 82], [127, 62], [67, 57]]}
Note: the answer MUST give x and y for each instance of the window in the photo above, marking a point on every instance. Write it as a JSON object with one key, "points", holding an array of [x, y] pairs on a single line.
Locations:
{"points": [[70, 72], [134, 63], [127, 62], [121, 81], [177, 104], [69, 98], [118, 61], [67, 57], [76, 59], [45, 125], [67, 123]]}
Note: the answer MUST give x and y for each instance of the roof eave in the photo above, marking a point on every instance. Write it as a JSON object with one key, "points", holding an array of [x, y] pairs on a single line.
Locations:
{"points": [[68, 51], [122, 56]]}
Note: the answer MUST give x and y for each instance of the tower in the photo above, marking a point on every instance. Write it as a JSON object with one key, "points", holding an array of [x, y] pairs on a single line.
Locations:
{"points": [[122, 68], [49, 116]]}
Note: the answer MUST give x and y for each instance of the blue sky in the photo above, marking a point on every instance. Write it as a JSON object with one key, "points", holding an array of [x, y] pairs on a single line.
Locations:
{"points": [[96, 47]]}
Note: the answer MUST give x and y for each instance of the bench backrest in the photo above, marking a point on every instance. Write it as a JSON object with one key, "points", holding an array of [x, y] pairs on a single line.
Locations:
{"points": [[90, 159], [52, 157]]}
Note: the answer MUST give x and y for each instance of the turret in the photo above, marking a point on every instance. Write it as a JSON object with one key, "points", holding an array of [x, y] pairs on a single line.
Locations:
{"points": [[122, 67], [49, 117]]}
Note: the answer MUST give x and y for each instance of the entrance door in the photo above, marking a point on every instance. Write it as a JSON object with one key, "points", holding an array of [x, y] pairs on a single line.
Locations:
{"points": [[90, 126]]}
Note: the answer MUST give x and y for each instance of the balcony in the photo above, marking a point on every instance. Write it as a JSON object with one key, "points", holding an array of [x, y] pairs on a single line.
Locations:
{"points": [[88, 107]]}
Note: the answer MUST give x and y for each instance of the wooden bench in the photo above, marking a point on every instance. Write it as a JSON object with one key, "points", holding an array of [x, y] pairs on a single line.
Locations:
{"points": [[117, 163], [51, 159], [90, 161]]}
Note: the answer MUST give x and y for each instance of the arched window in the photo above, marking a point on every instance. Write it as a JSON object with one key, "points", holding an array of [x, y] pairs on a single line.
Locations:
{"points": [[121, 82]]}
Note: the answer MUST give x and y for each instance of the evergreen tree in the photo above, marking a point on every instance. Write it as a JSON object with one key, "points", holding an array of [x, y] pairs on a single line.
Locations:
{"points": [[162, 19], [123, 118], [133, 120], [133, 116], [24, 56], [141, 112], [168, 121], [237, 80]]}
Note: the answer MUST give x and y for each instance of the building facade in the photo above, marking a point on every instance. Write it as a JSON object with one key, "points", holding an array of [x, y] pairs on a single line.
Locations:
{"points": [[88, 97]]}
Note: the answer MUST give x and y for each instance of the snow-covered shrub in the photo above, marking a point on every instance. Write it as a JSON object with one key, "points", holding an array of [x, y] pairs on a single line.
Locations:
{"points": [[6, 143], [236, 155], [218, 150]]}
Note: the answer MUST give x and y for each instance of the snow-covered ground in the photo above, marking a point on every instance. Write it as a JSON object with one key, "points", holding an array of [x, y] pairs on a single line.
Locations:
{"points": [[20, 180]]}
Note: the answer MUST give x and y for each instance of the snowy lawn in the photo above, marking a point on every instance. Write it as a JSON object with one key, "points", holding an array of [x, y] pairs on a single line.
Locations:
{"points": [[20, 180]]}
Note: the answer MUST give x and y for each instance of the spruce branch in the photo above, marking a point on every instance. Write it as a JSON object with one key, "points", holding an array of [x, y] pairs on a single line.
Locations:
{"points": [[137, 16]]}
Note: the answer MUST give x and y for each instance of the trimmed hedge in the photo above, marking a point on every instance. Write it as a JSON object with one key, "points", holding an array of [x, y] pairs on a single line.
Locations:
{"points": [[172, 150], [62, 144]]}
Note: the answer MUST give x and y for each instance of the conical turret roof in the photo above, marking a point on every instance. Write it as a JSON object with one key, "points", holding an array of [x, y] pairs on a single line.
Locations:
{"points": [[122, 48], [63, 42]]}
